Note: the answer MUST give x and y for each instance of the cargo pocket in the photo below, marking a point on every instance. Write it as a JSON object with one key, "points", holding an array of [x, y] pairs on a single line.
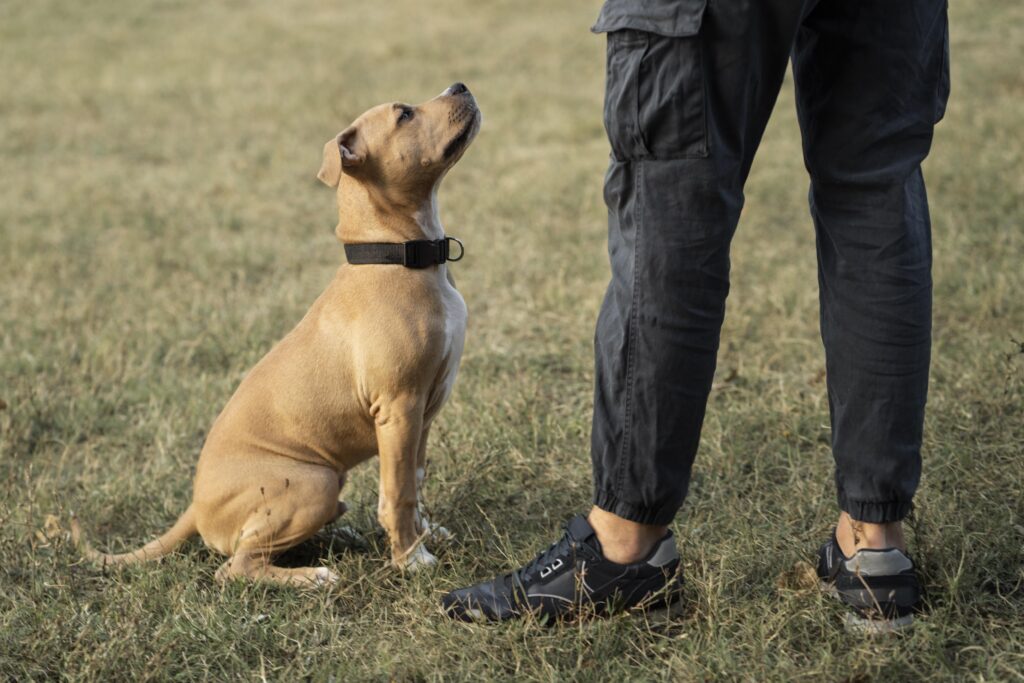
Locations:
{"points": [[654, 93]]}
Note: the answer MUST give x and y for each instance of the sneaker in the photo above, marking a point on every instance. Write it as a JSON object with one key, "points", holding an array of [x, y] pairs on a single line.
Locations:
{"points": [[570, 575], [880, 586]]}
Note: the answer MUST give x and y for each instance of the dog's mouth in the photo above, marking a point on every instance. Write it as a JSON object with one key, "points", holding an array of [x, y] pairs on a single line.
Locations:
{"points": [[459, 141]]}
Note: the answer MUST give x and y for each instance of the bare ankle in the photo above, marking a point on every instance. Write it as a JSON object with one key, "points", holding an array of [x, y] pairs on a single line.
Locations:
{"points": [[623, 541], [854, 535]]}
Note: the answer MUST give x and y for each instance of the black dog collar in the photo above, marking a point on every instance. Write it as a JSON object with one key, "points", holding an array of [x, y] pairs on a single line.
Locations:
{"points": [[411, 254]]}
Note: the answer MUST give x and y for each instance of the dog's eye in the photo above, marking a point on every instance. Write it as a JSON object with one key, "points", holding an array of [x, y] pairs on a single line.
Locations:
{"points": [[406, 115]]}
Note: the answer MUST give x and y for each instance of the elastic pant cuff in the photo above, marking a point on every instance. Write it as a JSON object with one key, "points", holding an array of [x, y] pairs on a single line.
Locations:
{"points": [[608, 502], [875, 512]]}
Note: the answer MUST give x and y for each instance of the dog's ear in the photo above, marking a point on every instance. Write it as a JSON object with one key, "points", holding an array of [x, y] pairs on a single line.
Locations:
{"points": [[339, 153], [330, 169]]}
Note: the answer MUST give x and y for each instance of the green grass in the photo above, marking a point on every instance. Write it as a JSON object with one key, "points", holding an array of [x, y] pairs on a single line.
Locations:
{"points": [[161, 227]]}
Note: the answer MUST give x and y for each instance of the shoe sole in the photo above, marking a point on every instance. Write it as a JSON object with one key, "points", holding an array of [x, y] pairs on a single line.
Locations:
{"points": [[658, 613], [854, 623]]}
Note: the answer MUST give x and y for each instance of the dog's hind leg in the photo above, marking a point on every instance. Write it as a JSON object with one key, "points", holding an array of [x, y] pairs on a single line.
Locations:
{"points": [[258, 567], [296, 502]]}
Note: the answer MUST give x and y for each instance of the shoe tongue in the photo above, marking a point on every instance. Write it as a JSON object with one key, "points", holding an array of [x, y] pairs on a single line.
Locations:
{"points": [[581, 531]]}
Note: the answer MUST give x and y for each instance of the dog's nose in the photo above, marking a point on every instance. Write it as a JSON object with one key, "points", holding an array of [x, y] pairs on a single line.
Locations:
{"points": [[458, 88]]}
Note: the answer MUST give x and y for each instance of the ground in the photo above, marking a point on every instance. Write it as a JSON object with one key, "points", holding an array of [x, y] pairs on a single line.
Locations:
{"points": [[161, 227]]}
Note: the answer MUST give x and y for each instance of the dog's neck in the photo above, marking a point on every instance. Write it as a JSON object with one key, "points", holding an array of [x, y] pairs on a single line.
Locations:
{"points": [[367, 215]]}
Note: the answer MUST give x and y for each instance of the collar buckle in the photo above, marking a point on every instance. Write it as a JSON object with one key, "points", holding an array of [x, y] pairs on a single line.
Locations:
{"points": [[421, 253]]}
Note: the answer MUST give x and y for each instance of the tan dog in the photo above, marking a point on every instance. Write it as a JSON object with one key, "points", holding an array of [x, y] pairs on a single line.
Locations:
{"points": [[364, 373]]}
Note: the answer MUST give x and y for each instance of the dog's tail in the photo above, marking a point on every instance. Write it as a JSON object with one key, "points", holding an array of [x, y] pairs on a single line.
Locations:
{"points": [[182, 530]]}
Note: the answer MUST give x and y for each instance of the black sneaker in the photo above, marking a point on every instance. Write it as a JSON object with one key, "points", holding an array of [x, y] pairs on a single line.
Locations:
{"points": [[880, 586], [570, 575]]}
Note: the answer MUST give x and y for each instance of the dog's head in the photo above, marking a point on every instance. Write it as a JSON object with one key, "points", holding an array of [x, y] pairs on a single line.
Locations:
{"points": [[402, 150]]}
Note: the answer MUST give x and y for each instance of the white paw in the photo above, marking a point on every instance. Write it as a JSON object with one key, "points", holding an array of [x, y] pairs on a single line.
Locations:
{"points": [[419, 558], [322, 576], [434, 531]]}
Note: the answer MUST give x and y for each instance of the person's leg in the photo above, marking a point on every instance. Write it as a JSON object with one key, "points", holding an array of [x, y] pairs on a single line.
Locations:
{"points": [[684, 116], [872, 80], [690, 88]]}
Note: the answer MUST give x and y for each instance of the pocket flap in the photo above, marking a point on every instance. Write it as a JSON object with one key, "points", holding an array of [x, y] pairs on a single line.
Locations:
{"points": [[671, 18]]}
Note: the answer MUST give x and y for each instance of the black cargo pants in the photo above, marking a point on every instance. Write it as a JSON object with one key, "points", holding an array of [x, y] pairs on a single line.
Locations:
{"points": [[690, 86]]}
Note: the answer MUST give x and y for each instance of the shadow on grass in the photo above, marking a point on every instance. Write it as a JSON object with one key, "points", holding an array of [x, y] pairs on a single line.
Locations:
{"points": [[332, 544]]}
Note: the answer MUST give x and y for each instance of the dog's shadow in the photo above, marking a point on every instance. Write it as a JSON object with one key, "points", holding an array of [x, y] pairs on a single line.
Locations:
{"points": [[333, 543]]}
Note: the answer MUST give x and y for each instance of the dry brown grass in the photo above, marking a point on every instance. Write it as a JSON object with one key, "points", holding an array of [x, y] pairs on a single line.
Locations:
{"points": [[161, 227]]}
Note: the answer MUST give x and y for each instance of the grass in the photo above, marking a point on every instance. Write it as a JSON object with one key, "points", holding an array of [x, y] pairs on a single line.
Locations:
{"points": [[161, 227]]}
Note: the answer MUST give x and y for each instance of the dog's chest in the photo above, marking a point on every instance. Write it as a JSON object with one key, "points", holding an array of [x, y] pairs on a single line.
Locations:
{"points": [[455, 335]]}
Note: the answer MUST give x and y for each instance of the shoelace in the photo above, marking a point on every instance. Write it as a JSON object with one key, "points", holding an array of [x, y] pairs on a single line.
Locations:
{"points": [[562, 546]]}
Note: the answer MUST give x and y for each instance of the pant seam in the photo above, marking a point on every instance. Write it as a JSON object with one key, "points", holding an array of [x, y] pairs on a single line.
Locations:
{"points": [[631, 340]]}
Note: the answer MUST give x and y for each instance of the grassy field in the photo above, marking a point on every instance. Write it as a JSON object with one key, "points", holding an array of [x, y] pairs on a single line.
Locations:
{"points": [[161, 227]]}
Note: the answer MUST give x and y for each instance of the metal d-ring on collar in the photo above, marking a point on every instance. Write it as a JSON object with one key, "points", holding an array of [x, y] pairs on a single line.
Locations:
{"points": [[411, 254]]}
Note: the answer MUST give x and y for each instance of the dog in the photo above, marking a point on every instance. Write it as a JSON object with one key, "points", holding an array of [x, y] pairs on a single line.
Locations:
{"points": [[364, 373]]}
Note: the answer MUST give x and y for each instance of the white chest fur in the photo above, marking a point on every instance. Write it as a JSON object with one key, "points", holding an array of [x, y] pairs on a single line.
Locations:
{"points": [[455, 336]]}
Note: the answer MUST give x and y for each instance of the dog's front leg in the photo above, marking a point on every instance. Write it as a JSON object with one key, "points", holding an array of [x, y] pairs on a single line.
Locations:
{"points": [[399, 430]]}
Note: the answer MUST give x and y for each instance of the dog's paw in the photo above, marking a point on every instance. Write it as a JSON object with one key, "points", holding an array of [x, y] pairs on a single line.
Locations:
{"points": [[322, 576], [433, 531], [419, 558]]}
